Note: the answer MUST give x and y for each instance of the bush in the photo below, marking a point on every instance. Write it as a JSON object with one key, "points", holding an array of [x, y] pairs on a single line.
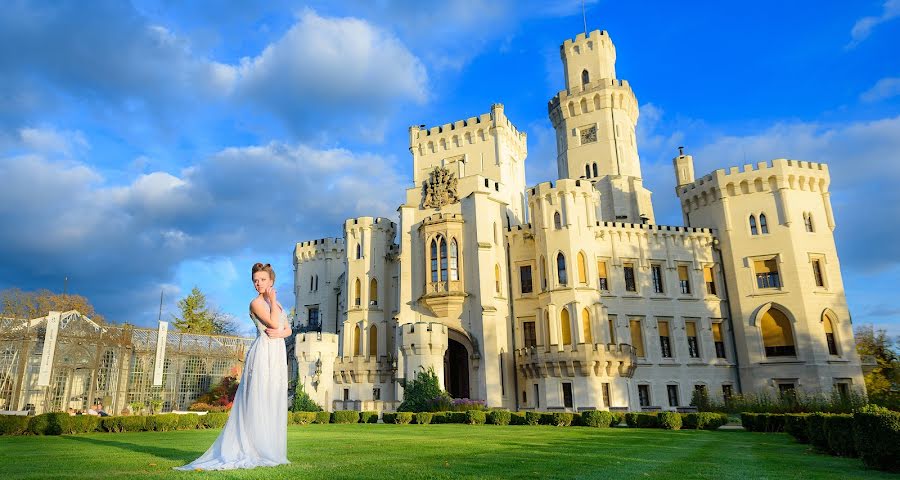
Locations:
{"points": [[772, 422], [345, 416], [517, 418], [596, 418], [711, 420], [302, 402], [533, 418], [389, 417], [465, 404], [210, 420], [439, 417], [424, 418], [368, 416], [618, 418], [499, 417], [205, 407], [48, 423], [795, 425], [111, 424], [301, 418], [475, 417], [815, 429], [162, 423], [748, 421], [561, 419], [641, 420], [690, 421], [188, 421], [404, 418], [418, 392], [669, 420], [839, 433], [13, 424], [323, 417], [631, 419], [877, 436]]}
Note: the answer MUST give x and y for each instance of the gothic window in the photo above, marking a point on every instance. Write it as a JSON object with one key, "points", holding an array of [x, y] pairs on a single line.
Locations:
{"points": [[830, 340], [357, 293], [356, 341], [543, 274], [497, 278], [665, 344], [454, 261], [582, 268], [763, 226], [595, 169], [561, 269], [373, 292], [317, 283], [656, 271], [373, 341], [565, 327], [817, 273], [557, 220], [710, 280], [586, 326], [778, 338], [443, 249], [434, 260], [311, 281], [693, 343], [684, 279], [525, 279], [753, 230], [603, 280], [587, 171], [628, 271], [585, 77], [358, 250], [718, 340], [637, 338], [611, 323]]}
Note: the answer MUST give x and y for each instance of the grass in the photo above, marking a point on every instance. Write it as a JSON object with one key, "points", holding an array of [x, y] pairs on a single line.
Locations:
{"points": [[440, 451]]}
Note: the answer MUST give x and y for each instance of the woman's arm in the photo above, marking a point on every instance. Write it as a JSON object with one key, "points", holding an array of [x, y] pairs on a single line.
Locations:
{"points": [[269, 317]]}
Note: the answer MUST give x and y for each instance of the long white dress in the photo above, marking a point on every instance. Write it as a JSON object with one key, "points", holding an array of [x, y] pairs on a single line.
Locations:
{"points": [[256, 432]]}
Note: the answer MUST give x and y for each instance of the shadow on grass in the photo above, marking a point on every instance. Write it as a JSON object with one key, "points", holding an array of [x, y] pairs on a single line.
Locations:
{"points": [[161, 452]]}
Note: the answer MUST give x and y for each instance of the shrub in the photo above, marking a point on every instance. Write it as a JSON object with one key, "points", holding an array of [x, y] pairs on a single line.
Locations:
{"points": [[111, 424], [877, 434], [368, 416], [456, 417], [205, 407], [465, 404], [517, 418], [424, 418], [404, 418], [48, 423], [13, 424], [323, 417], [162, 423], [641, 420], [499, 417], [302, 402], [561, 419], [439, 417], [631, 419], [345, 416], [188, 421], [418, 392], [475, 417], [772, 422], [815, 429], [748, 421], [795, 425], [711, 420], [669, 420], [389, 417], [618, 418], [839, 433], [596, 418], [533, 418], [211, 419], [690, 421], [577, 421], [302, 418]]}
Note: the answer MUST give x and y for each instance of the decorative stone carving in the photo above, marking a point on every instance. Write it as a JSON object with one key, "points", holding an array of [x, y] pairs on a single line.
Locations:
{"points": [[439, 189], [589, 134]]}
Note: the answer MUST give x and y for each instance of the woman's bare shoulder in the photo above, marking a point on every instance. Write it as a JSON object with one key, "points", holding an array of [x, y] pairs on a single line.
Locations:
{"points": [[257, 303]]}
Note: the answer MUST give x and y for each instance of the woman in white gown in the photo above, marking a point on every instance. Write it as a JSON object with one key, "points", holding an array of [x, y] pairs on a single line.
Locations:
{"points": [[256, 432]]}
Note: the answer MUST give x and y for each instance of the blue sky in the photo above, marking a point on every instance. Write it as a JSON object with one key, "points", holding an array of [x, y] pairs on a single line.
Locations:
{"points": [[156, 145]]}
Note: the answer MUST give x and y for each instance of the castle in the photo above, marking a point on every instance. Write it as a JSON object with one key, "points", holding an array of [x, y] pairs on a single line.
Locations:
{"points": [[567, 295]]}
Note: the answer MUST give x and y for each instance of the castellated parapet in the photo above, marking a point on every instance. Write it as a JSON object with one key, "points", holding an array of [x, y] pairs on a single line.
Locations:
{"points": [[594, 53], [446, 138], [423, 346], [317, 249]]}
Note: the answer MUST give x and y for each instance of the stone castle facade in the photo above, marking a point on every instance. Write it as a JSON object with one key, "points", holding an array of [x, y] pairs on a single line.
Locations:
{"points": [[567, 295]]}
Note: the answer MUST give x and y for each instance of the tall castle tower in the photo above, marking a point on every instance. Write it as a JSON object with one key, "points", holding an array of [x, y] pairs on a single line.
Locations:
{"points": [[595, 118]]}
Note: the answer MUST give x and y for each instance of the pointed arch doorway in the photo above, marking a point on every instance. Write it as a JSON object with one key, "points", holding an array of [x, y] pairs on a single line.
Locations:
{"points": [[456, 367]]}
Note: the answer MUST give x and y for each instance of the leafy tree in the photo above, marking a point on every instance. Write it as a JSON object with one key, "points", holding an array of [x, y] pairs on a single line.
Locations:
{"points": [[418, 392], [17, 303], [196, 317], [302, 401], [883, 382]]}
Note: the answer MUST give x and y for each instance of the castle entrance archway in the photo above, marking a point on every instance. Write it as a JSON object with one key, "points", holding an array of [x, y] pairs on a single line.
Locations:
{"points": [[456, 369]]}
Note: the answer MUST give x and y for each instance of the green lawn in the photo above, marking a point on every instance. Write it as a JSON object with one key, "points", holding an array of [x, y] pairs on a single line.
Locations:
{"points": [[440, 451]]}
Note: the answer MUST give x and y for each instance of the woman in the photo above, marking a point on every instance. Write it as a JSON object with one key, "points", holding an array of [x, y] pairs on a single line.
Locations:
{"points": [[256, 432]]}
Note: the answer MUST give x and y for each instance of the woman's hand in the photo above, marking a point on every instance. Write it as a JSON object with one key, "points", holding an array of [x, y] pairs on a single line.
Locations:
{"points": [[279, 332], [269, 295]]}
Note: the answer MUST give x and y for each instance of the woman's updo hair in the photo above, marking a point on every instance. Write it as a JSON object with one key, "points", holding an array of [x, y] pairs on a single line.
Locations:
{"points": [[264, 267]]}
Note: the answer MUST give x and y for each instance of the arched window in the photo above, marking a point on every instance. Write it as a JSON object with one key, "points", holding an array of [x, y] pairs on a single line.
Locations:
{"points": [[373, 292], [543, 274], [830, 339], [587, 171], [585, 77], [317, 283], [311, 279], [497, 278], [753, 230], [373, 341], [557, 221], [443, 249], [582, 268], [356, 340], [808, 221], [586, 326], [778, 338], [561, 269], [763, 226], [358, 250], [547, 326], [454, 261], [357, 293], [595, 169], [434, 260], [565, 327]]}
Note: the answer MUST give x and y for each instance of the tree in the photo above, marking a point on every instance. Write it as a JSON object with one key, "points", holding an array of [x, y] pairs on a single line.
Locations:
{"points": [[17, 303], [196, 317], [883, 382], [420, 391], [302, 401]]}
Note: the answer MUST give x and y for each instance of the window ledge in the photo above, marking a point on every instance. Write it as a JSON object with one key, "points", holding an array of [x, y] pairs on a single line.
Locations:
{"points": [[838, 360], [824, 292], [688, 299], [787, 360], [764, 293], [659, 296], [633, 296]]}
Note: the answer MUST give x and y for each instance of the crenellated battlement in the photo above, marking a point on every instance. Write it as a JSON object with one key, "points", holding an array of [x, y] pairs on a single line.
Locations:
{"points": [[320, 248], [374, 223], [441, 218], [460, 133], [562, 185], [653, 228], [579, 44], [760, 177]]}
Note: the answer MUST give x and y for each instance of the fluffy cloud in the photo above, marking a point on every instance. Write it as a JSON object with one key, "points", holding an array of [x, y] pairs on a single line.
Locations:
{"points": [[883, 89], [864, 26]]}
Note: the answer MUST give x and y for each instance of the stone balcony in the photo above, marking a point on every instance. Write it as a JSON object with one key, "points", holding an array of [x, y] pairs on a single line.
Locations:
{"points": [[444, 299], [587, 359], [361, 369]]}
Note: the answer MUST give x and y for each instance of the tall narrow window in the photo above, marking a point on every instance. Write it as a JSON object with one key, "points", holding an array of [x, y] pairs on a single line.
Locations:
{"points": [[606, 395], [529, 334], [829, 336], [313, 319], [317, 283], [587, 171], [547, 327], [557, 220], [311, 280], [665, 346], [357, 293], [567, 395], [356, 341], [717, 339], [637, 338], [693, 345], [373, 341], [611, 322], [753, 229], [763, 226], [561, 269], [684, 279], [727, 391], [565, 327], [603, 281], [710, 280], [585, 77], [656, 270], [595, 168], [358, 250], [543, 274], [373, 292], [454, 261], [525, 279], [628, 269], [582, 268], [778, 338], [808, 221], [434, 260], [817, 273], [586, 326], [767, 273], [644, 395], [497, 278], [443, 248], [672, 391]]}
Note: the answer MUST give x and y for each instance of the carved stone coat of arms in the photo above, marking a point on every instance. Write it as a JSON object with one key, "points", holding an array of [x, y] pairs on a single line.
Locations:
{"points": [[439, 189]]}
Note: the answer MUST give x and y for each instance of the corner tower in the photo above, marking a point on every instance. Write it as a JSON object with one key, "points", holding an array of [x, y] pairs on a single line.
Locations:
{"points": [[595, 119]]}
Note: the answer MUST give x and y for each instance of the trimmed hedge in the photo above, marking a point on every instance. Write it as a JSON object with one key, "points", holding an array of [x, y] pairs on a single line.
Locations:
{"points": [[322, 417], [795, 424], [162, 423], [763, 422], [345, 416], [641, 420], [188, 421], [597, 418], [669, 420], [13, 424], [389, 417], [876, 431], [815, 429], [533, 418], [839, 434], [404, 418], [499, 417], [424, 418], [561, 419], [300, 418], [210, 420], [517, 418], [475, 417], [368, 417]]}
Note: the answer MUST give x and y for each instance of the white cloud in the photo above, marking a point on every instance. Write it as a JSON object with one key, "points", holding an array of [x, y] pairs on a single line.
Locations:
{"points": [[49, 140], [883, 89], [864, 26]]}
